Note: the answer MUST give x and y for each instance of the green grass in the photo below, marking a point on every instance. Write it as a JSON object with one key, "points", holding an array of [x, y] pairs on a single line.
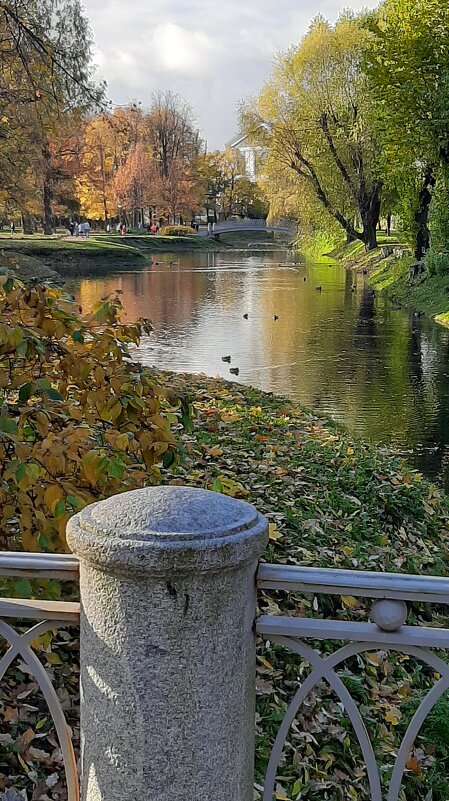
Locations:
{"points": [[40, 245], [443, 319], [245, 239], [168, 244], [78, 257], [427, 293]]}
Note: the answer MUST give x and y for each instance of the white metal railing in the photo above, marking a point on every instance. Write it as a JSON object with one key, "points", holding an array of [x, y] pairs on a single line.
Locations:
{"points": [[254, 225], [52, 615], [386, 629]]}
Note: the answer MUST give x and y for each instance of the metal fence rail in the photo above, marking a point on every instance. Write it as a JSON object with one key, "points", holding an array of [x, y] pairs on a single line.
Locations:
{"points": [[388, 615], [386, 628], [52, 615]]}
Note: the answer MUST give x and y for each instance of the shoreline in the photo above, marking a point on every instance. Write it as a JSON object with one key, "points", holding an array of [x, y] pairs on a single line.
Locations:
{"points": [[318, 484], [99, 255], [83, 257], [391, 274]]}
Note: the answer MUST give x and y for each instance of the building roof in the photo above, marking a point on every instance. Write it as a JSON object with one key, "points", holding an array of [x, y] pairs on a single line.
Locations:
{"points": [[240, 137]]}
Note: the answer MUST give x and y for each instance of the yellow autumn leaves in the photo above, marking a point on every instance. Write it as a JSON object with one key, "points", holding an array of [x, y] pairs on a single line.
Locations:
{"points": [[78, 421]]}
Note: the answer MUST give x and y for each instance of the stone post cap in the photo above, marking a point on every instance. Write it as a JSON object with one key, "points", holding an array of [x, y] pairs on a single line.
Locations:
{"points": [[168, 528]]}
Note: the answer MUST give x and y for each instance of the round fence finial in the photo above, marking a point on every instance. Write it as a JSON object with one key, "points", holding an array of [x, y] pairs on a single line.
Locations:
{"points": [[388, 615]]}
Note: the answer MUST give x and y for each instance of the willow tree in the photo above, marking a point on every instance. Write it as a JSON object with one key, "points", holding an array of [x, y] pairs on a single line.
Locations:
{"points": [[317, 122]]}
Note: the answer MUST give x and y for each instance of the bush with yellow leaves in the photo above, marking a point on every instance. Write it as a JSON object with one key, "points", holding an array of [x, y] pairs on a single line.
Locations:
{"points": [[79, 420]]}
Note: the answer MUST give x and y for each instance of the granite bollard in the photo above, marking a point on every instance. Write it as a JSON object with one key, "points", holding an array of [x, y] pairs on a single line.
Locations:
{"points": [[168, 601]]}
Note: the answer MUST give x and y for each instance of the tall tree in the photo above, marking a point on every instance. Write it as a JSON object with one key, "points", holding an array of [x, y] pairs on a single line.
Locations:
{"points": [[45, 75], [135, 183], [315, 117], [173, 133], [408, 68], [95, 179]]}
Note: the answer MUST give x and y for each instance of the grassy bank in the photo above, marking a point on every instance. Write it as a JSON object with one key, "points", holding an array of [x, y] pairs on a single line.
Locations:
{"points": [[331, 501], [427, 293], [315, 482], [152, 244], [80, 257], [38, 255], [97, 255]]}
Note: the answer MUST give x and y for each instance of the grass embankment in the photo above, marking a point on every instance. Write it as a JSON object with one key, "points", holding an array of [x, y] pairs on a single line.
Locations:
{"points": [[427, 293], [391, 274], [37, 256], [151, 244], [314, 480], [331, 501], [70, 258]]}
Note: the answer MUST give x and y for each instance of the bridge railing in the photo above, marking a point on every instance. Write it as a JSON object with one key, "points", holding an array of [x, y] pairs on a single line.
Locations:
{"points": [[246, 224], [168, 649], [287, 226]]}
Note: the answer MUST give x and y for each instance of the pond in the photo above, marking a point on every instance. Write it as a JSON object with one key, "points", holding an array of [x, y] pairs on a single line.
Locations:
{"points": [[336, 347]]}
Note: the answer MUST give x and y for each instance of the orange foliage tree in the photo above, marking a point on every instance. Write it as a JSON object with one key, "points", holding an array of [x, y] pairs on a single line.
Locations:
{"points": [[135, 184]]}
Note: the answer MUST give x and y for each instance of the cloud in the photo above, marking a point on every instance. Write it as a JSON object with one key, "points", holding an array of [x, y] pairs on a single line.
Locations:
{"points": [[180, 51], [214, 54]]}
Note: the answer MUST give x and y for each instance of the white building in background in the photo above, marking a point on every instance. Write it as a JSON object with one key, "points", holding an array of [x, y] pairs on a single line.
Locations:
{"points": [[254, 155]]}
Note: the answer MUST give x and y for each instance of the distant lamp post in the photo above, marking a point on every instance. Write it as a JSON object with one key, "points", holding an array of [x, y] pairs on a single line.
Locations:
{"points": [[209, 199]]}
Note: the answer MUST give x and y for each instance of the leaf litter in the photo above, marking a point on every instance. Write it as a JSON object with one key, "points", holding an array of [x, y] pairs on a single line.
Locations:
{"points": [[331, 501]]}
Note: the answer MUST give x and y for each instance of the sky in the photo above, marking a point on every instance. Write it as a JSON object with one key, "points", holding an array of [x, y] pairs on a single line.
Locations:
{"points": [[214, 53]]}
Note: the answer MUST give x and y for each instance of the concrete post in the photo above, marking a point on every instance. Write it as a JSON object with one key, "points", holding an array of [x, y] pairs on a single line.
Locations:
{"points": [[167, 645]]}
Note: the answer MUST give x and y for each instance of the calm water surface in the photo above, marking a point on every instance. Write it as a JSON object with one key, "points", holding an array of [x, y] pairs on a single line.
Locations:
{"points": [[384, 373]]}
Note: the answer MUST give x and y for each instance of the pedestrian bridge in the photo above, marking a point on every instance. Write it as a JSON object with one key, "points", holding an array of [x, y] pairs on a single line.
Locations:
{"points": [[236, 226]]}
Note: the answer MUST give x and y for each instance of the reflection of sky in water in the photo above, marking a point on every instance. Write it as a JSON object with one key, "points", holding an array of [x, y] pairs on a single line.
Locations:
{"points": [[382, 372]]}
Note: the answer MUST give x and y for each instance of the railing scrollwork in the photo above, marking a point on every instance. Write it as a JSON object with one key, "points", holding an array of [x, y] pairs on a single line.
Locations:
{"points": [[51, 615], [386, 630]]}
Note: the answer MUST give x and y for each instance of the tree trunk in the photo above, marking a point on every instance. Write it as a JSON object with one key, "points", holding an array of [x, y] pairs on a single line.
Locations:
{"points": [[422, 214], [350, 237], [105, 210], [28, 224], [369, 234], [388, 224], [370, 213], [47, 191]]}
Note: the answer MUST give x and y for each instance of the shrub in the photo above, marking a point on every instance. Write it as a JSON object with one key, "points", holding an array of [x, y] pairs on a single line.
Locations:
{"points": [[79, 420], [176, 230], [437, 259], [437, 262]]}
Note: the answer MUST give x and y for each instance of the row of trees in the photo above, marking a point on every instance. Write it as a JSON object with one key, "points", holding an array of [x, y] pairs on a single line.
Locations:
{"points": [[64, 153], [138, 164], [132, 161], [46, 90], [356, 121]]}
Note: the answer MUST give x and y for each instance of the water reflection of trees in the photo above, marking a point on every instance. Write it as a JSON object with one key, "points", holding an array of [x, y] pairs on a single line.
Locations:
{"points": [[384, 372], [170, 296]]}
